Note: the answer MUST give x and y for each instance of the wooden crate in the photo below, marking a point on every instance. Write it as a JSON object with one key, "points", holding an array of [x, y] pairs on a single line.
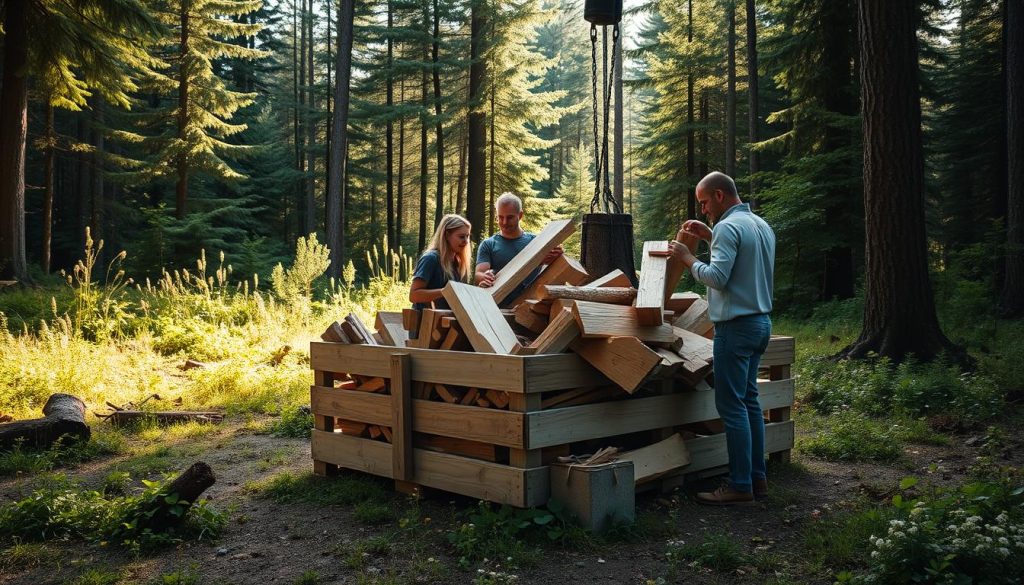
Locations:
{"points": [[528, 431]]}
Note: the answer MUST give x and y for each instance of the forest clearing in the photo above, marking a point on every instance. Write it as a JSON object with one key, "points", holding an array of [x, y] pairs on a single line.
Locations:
{"points": [[231, 350]]}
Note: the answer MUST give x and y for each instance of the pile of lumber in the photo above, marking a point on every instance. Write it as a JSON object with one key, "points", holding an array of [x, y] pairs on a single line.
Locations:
{"points": [[631, 335]]}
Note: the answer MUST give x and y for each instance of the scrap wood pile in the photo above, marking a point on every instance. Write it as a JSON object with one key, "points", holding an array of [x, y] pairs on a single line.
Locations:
{"points": [[631, 335]]}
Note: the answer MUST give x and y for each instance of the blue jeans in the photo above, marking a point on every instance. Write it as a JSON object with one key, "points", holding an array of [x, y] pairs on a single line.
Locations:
{"points": [[739, 344]]}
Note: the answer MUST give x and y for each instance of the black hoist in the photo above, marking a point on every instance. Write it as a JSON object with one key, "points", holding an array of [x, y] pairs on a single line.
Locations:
{"points": [[607, 241]]}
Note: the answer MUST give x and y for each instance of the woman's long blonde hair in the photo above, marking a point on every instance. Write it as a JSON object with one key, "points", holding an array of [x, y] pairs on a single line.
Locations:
{"points": [[459, 270]]}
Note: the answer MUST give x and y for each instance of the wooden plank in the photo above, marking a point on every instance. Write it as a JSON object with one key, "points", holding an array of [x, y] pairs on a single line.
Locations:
{"points": [[710, 452], [351, 332], [597, 395], [477, 479], [695, 318], [533, 321], [681, 301], [624, 360], [565, 396], [401, 415], [616, 278], [483, 451], [516, 271], [780, 414], [480, 318], [696, 350], [436, 418], [564, 269], [389, 326], [559, 426], [601, 320], [520, 457], [650, 293], [335, 334], [558, 335], [364, 332], [410, 320], [617, 295], [781, 351], [371, 385], [558, 371], [444, 367], [655, 460]]}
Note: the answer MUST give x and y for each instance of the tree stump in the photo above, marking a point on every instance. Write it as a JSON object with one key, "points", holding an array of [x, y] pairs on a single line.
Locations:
{"points": [[63, 414], [170, 508]]}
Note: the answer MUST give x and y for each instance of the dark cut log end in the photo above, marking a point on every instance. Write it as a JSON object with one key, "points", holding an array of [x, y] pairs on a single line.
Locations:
{"points": [[188, 487]]}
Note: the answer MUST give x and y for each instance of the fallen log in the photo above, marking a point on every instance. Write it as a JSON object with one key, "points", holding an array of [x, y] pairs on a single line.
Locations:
{"points": [[63, 415], [615, 295], [170, 507], [125, 417]]}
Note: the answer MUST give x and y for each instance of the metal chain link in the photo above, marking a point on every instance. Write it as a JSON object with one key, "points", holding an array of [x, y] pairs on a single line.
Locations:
{"points": [[609, 199], [597, 144]]}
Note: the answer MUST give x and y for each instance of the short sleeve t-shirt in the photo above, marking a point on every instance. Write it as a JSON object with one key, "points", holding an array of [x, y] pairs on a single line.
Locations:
{"points": [[498, 251], [429, 269]]}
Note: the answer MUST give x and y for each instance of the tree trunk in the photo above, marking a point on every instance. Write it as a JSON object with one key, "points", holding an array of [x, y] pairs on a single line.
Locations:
{"points": [[296, 120], [490, 167], [181, 189], [48, 156], [752, 113], [899, 308], [460, 186], [424, 101], [400, 195], [63, 414], [439, 122], [705, 146], [339, 139], [98, 204], [730, 93], [389, 131], [13, 134], [330, 96], [1012, 302], [691, 139], [310, 213], [477, 166]]}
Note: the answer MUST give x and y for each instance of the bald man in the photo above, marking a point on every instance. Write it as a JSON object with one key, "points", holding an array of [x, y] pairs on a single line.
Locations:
{"points": [[739, 278]]}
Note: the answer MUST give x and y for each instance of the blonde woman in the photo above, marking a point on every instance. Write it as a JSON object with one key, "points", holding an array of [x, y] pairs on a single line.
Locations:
{"points": [[446, 258]]}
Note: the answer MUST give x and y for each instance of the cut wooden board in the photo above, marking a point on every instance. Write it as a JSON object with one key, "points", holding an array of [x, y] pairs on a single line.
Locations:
{"points": [[480, 318], [696, 348], [624, 360], [603, 320], [695, 318], [650, 294], [389, 325], [616, 295], [410, 320], [335, 334], [462, 447], [564, 270], [533, 321], [658, 459], [615, 278], [558, 335], [679, 302], [512, 275]]}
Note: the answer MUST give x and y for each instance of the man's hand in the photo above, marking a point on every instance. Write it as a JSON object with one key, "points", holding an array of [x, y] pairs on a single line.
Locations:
{"points": [[485, 279], [553, 255], [680, 253], [694, 228]]}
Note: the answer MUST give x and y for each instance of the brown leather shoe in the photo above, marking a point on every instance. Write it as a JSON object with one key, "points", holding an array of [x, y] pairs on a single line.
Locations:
{"points": [[725, 496], [760, 489]]}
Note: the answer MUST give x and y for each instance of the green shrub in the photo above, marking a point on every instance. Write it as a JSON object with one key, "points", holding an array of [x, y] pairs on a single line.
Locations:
{"points": [[717, 551], [502, 532], [852, 436], [295, 422], [974, 534], [64, 510], [30, 460]]}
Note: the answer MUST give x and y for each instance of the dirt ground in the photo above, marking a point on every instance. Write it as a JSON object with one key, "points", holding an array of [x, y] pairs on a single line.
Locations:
{"points": [[268, 542]]}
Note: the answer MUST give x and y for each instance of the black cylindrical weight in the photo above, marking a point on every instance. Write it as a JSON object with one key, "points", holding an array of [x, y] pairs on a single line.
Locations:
{"points": [[602, 12], [608, 244]]}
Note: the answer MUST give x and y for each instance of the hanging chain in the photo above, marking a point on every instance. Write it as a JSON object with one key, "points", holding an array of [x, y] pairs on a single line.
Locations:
{"points": [[597, 144], [602, 159]]}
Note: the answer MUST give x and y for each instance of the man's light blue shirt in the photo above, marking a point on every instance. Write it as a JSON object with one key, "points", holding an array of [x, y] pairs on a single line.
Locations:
{"points": [[741, 274]]}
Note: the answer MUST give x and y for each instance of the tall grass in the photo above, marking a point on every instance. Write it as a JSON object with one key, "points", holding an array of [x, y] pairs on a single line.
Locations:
{"points": [[111, 338]]}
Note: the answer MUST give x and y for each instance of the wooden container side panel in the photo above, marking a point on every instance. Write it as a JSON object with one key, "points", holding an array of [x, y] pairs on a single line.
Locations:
{"points": [[484, 425], [781, 351], [709, 452], [469, 477], [458, 368], [560, 426]]}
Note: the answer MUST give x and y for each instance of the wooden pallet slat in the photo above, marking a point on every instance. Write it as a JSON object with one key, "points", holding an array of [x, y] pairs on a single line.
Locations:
{"points": [[650, 294], [529, 258], [480, 318]]}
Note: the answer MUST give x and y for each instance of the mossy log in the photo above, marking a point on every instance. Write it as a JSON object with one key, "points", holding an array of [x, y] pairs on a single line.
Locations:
{"points": [[63, 415]]}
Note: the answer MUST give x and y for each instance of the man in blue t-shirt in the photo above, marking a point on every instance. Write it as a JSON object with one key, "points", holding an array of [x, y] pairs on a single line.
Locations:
{"points": [[498, 250]]}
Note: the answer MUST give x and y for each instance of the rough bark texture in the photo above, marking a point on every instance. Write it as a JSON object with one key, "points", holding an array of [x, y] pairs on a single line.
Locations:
{"points": [[424, 154], [752, 115], [48, 177], [310, 200], [477, 121], [13, 133], [1012, 302], [899, 308], [691, 141], [439, 121], [181, 188], [188, 487], [389, 92], [63, 414], [730, 93], [339, 140]]}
